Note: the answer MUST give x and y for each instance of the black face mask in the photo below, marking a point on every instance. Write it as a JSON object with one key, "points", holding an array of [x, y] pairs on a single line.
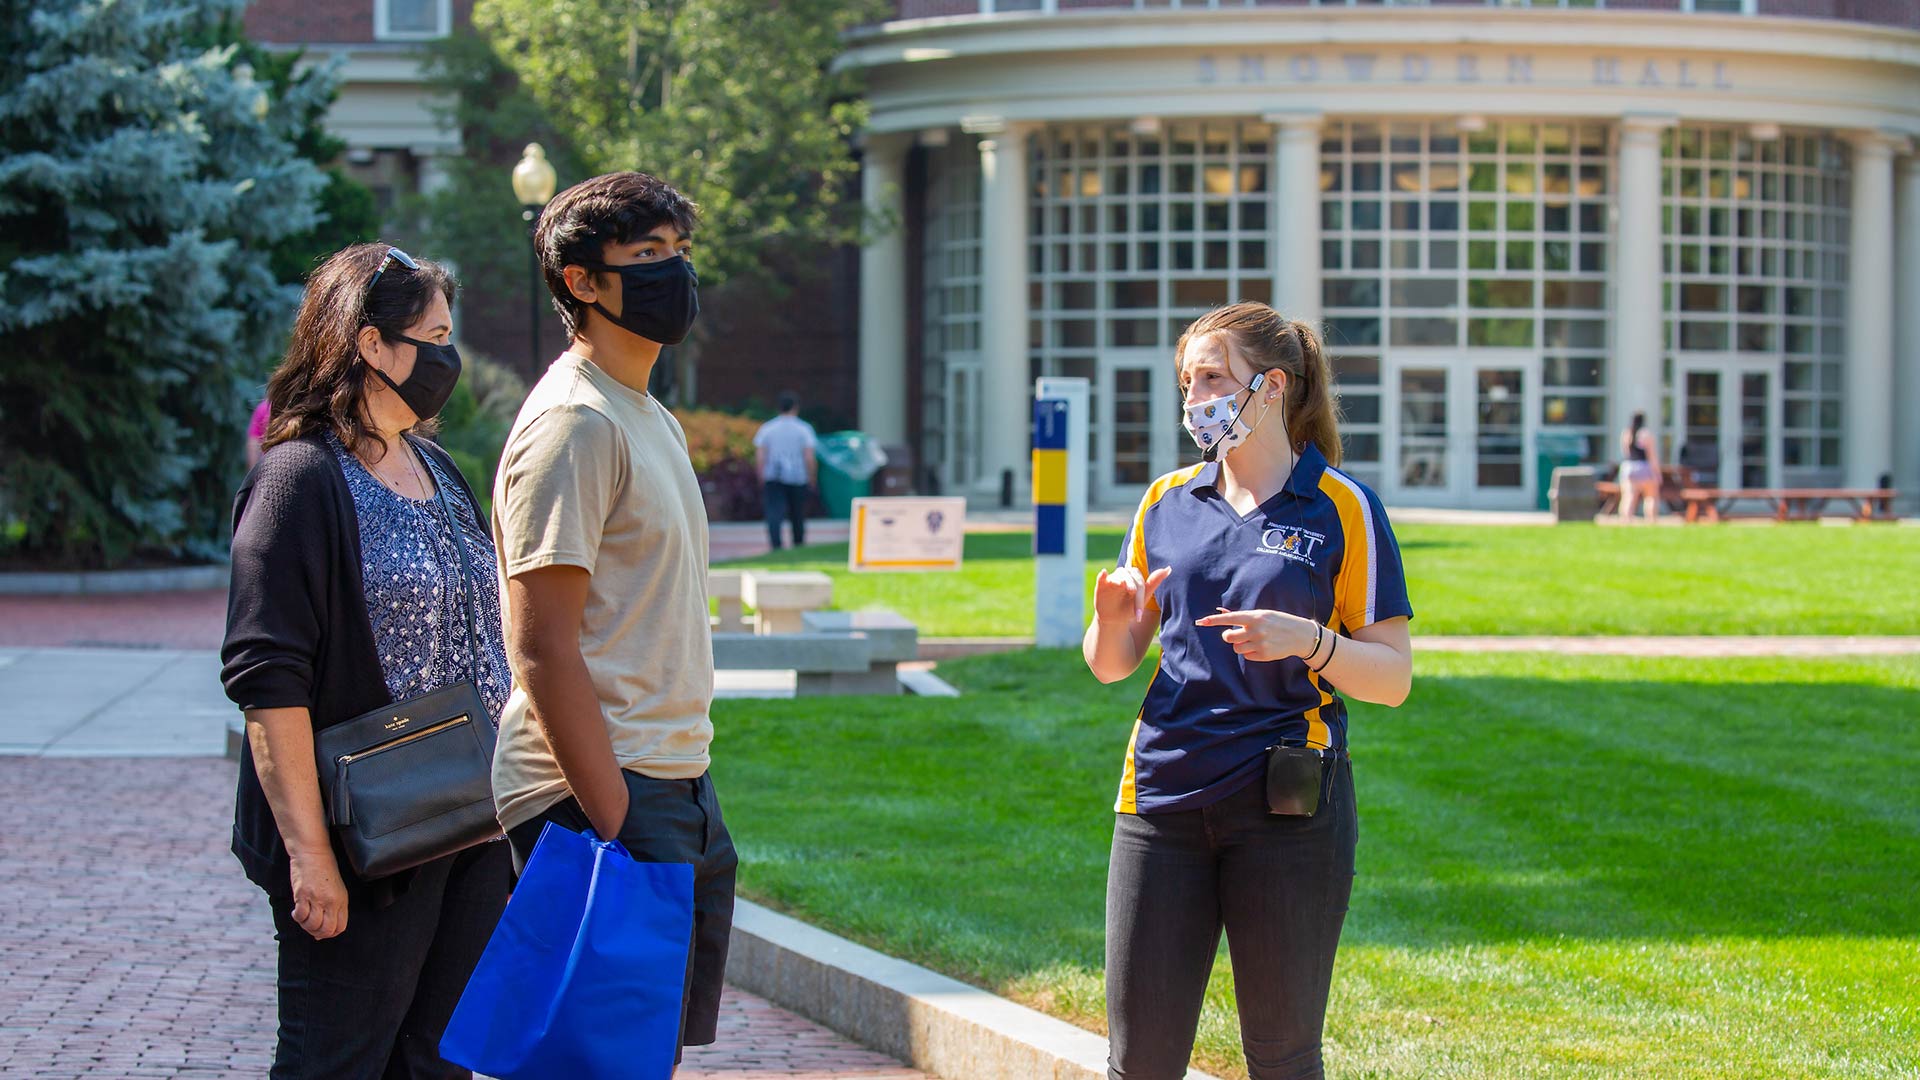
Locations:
{"points": [[658, 300], [435, 369]]}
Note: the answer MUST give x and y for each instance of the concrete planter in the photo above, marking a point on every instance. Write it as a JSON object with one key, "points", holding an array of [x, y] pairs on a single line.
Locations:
{"points": [[96, 582]]}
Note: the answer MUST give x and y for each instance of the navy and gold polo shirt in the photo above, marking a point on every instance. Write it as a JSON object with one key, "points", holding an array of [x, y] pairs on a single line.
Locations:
{"points": [[1322, 543]]}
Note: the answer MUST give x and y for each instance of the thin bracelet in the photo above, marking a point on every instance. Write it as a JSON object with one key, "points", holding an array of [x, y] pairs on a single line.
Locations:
{"points": [[1315, 651], [1334, 648]]}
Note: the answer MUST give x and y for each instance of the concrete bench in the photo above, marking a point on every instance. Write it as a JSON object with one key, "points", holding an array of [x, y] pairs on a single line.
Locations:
{"points": [[895, 640], [822, 663], [782, 598], [727, 589]]}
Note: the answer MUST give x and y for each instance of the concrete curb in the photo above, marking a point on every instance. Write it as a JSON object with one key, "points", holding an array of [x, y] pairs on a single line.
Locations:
{"points": [[925, 1019], [96, 582]]}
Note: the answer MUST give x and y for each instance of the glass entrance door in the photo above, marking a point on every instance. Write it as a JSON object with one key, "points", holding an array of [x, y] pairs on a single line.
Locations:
{"points": [[1727, 421], [1500, 416], [1424, 469], [1137, 415], [1462, 433]]}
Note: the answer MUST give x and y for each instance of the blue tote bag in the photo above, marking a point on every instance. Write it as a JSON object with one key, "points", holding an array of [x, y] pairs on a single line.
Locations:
{"points": [[584, 974]]}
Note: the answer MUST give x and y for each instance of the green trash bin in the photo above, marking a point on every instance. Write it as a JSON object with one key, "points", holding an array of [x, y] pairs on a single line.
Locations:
{"points": [[1553, 449], [848, 460]]}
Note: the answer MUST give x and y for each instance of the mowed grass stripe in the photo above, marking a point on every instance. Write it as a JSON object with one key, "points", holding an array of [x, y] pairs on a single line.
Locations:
{"points": [[1572, 579], [1533, 913], [1567, 782]]}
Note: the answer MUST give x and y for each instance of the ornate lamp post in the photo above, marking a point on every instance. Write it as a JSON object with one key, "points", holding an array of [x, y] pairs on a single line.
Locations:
{"points": [[533, 182]]}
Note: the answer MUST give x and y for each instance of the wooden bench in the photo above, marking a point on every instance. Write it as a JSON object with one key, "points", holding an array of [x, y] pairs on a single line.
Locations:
{"points": [[1673, 480], [1788, 504]]}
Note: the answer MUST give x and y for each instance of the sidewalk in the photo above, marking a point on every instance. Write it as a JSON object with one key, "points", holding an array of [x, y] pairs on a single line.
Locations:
{"points": [[134, 946], [149, 702]]}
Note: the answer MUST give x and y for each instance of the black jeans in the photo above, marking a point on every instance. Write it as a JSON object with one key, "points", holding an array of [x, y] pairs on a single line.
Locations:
{"points": [[374, 1001], [785, 502], [1278, 885], [671, 821]]}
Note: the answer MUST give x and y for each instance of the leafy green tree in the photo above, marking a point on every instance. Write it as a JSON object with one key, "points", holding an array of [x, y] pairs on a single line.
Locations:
{"points": [[145, 181], [733, 101], [474, 221]]}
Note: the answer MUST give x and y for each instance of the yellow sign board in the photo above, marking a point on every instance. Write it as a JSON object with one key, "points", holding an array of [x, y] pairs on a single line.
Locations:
{"points": [[907, 533]]}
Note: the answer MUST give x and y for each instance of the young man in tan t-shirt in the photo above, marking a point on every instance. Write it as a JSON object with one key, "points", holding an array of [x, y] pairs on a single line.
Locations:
{"points": [[603, 554]]}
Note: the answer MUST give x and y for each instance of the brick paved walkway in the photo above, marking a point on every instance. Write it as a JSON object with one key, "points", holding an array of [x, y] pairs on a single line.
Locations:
{"points": [[134, 948]]}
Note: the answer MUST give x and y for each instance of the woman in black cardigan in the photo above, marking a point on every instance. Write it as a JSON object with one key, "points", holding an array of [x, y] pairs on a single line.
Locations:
{"points": [[346, 596]]}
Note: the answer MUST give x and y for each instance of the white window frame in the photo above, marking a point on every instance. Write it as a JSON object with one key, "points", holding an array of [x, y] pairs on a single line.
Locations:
{"points": [[382, 13]]}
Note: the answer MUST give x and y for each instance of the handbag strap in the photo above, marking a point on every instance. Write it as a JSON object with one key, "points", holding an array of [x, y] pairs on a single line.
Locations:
{"points": [[466, 570]]}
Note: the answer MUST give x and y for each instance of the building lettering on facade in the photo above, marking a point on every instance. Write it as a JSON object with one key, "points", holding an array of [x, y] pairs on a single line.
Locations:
{"points": [[1459, 69]]}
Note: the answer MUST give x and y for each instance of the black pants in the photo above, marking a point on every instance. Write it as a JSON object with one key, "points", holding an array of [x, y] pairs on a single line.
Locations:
{"points": [[671, 821], [1279, 887], [374, 1001], [785, 502]]}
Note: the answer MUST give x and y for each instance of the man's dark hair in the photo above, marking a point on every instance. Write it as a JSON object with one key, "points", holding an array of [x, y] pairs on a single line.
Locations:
{"points": [[789, 401], [576, 227]]}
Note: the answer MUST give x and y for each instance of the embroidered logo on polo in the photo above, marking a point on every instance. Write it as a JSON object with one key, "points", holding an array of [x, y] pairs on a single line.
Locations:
{"points": [[1290, 542]]}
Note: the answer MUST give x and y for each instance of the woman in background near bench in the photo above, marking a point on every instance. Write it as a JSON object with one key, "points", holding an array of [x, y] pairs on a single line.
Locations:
{"points": [[1639, 469]]}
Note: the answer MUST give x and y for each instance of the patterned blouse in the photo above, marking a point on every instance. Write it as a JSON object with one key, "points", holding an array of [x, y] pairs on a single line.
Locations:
{"points": [[409, 570]]}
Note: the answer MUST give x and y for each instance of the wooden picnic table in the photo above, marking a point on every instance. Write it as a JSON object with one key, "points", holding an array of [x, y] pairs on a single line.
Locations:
{"points": [[1673, 479], [1788, 504]]}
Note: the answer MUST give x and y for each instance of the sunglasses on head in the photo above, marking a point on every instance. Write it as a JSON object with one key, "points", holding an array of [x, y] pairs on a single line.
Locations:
{"points": [[394, 255]]}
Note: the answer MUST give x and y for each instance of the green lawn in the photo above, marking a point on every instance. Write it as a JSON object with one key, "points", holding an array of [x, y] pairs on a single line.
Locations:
{"points": [[1773, 579], [1569, 867]]}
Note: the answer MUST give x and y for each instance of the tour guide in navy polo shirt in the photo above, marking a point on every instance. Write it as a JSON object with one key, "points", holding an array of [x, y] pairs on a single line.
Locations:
{"points": [[1270, 577]]}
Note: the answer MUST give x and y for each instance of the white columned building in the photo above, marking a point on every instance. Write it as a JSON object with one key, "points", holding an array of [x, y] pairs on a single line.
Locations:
{"points": [[1004, 391], [1869, 380], [1906, 261], [1296, 218], [1517, 226], [883, 290], [1634, 381]]}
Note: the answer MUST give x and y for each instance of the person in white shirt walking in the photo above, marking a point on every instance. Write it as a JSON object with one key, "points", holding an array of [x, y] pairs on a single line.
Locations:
{"points": [[783, 456]]}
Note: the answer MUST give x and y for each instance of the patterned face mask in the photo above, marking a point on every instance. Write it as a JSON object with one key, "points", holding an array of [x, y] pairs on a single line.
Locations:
{"points": [[1217, 425]]}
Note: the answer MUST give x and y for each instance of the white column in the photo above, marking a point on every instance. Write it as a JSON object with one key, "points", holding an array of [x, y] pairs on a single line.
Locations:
{"points": [[1296, 215], [1906, 266], [1006, 411], [883, 290], [1633, 378], [1868, 411]]}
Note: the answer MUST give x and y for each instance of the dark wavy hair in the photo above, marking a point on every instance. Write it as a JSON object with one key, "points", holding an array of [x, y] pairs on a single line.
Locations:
{"points": [[576, 227], [320, 384]]}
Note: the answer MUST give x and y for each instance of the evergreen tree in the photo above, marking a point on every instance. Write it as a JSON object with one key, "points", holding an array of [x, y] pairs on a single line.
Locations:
{"points": [[145, 180], [349, 214]]}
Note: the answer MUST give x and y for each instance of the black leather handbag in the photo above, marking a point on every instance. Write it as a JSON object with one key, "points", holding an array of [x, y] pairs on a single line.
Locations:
{"points": [[412, 781]]}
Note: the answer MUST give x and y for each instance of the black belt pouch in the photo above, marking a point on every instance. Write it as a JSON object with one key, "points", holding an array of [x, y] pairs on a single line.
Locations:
{"points": [[1294, 775]]}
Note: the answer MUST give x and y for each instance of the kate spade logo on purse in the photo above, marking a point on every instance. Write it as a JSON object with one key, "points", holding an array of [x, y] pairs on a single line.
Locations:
{"points": [[1290, 542], [397, 723]]}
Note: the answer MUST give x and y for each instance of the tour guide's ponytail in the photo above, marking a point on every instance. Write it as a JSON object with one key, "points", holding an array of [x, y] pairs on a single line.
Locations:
{"points": [[1264, 339]]}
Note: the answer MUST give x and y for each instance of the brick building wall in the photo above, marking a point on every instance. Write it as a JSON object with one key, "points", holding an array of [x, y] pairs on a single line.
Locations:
{"points": [[758, 344], [326, 22]]}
